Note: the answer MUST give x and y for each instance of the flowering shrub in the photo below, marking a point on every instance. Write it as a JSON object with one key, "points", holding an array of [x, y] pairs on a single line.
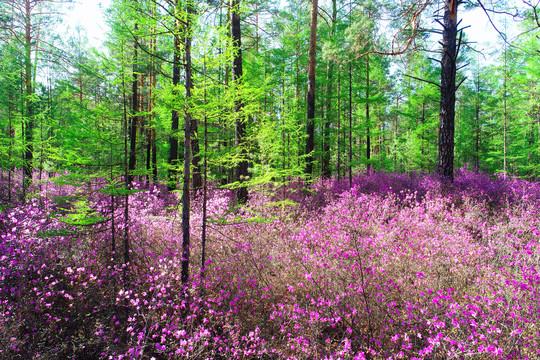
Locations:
{"points": [[395, 267]]}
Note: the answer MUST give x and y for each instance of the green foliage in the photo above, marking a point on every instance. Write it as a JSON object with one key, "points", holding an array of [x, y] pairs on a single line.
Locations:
{"points": [[243, 220], [120, 191], [80, 215]]}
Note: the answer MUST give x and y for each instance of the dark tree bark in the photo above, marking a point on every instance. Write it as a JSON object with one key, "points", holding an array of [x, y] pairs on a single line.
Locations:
{"points": [[448, 91], [477, 125], [196, 158], [151, 156], [154, 155], [310, 128], [242, 173], [338, 151], [148, 156], [152, 101], [113, 226], [326, 172], [11, 136], [173, 139], [350, 124], [134, 118], [29, 101], [422, 136], [126, 174], [368, 135], [395, 135], [187, 148], [205, 188], [350, 106], [284, 109], [505, 117]]}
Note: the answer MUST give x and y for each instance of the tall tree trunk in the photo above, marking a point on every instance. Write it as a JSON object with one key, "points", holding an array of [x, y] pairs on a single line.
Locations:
{"points": [[242, 173], [148, 154], [297, 100], [29, 100], [350, 105], [196, 158], [448, 91], [23, 135], [350, 124], [310, 128], [505, 118], [11, 136], [338, 150], [187, 147], [326, 171], [151, 156], [477, 124], [134, 118], [368, 124], [283, 112], [381, 138], [151, 105], [205, 188], [173, 139], [41, 147], [154, 155], [126, 172], [113, 226], [395, 135]]}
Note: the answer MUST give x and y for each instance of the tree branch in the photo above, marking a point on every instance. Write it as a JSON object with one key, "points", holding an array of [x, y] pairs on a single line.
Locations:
{"points": [[461, 82], [426, 81], [503, 36]]}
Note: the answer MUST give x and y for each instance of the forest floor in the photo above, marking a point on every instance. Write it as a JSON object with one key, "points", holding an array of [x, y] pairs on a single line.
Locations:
{"points": [[395, 267]]}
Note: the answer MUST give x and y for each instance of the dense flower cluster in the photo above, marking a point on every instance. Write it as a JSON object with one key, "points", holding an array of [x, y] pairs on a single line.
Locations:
{"points": [[396, 266]]}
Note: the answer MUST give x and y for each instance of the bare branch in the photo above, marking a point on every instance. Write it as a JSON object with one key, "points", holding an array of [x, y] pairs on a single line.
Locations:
{"points": [[503, 36], [462, 66], [461, 82], [322, 17], [535, 11], [404, 38], [424, 80]]}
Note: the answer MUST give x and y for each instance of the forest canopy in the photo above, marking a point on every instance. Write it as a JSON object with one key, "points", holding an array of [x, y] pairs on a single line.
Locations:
{"points": [[377, 95]]}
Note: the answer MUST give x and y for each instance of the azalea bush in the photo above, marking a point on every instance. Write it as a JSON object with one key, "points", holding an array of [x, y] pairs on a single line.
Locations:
{"points": [[396, 266]]}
